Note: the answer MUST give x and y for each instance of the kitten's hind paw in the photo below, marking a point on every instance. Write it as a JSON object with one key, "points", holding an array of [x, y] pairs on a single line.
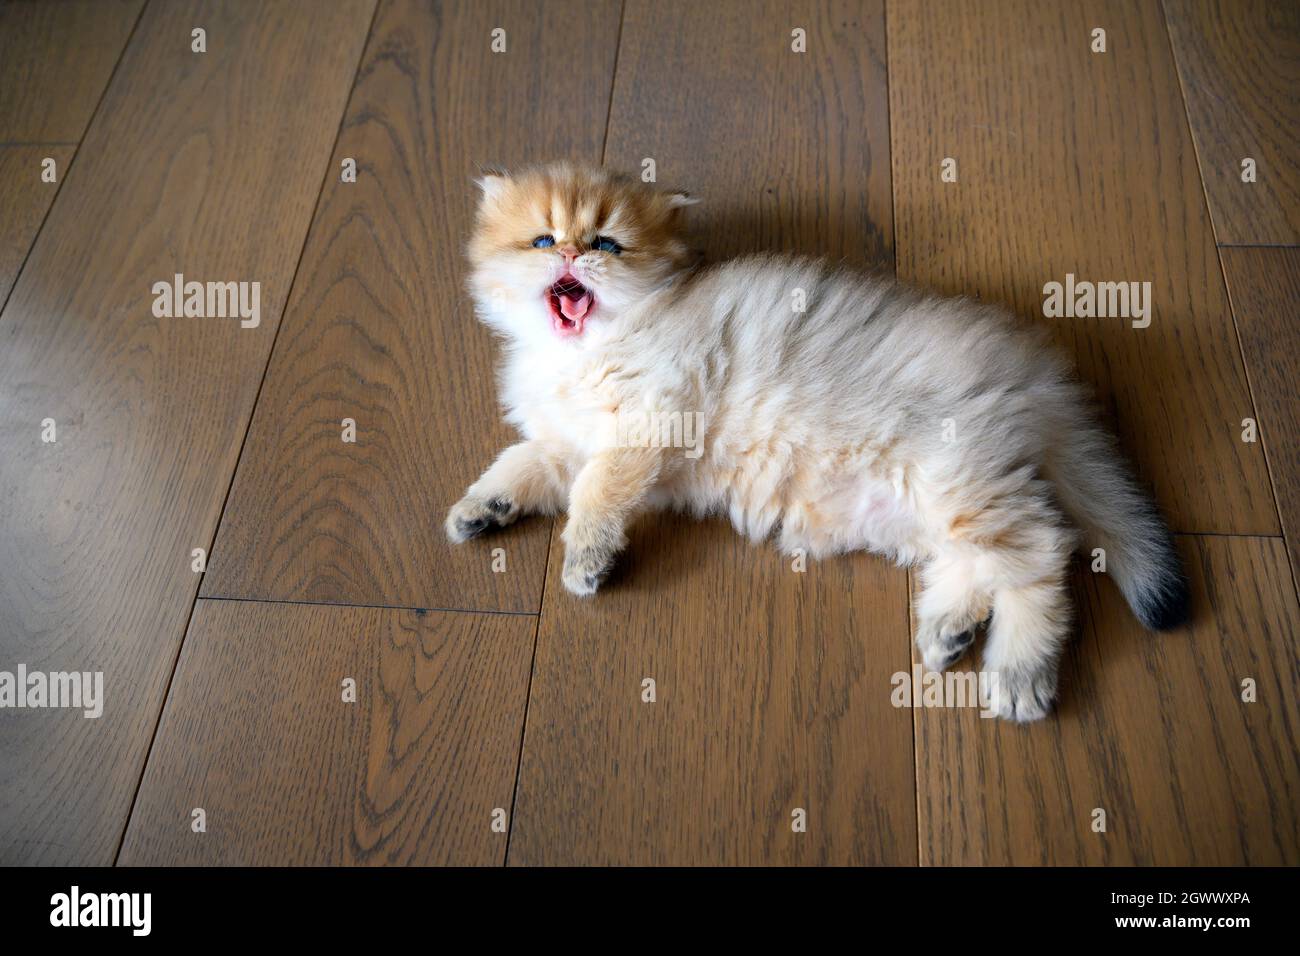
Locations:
{"points": [[585, 568], [473, 515], [943, 642]]}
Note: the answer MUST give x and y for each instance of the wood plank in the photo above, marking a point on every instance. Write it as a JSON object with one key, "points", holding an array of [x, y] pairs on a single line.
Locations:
{"points": [[24, 201], [1152, 729], [772, 694], [1264, 285], [1080, 163], [381, 329], [212, 174], [55, 61], [1240, 67], [772, 686], [258, 735], [786, 151]]}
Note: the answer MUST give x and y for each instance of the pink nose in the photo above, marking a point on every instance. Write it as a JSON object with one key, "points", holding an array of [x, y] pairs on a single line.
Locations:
{"points": [[569, 252]]}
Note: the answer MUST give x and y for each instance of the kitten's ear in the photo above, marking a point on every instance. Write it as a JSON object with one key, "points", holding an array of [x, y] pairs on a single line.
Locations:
{"points": [[492, 183], [678, 200]]}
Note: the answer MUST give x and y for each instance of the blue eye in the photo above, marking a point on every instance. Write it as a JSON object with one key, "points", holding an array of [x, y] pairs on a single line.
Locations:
{"points": [[543, 242], [606, 244]]}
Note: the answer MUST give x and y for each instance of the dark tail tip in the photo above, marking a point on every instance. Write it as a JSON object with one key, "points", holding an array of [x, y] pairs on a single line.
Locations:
{"points": [[1170, 605]]}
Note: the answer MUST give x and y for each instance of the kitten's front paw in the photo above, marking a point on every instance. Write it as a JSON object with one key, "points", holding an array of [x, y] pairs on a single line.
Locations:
{"points": [[1024, 695], [473, 515], [584, 568]]}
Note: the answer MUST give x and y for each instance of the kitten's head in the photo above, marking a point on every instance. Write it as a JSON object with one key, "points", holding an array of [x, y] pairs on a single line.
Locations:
{"points": [[561, 248]]}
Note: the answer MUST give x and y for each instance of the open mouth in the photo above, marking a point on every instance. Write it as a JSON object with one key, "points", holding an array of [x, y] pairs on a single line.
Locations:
{"points": [[570, 303]]}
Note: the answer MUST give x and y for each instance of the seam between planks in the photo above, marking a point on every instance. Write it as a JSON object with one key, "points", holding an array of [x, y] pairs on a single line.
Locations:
{"points": [[613, 81], [67, 142], [76, 149], [180, 647], [550, 544], [893, 215], [1223, 272], [1221, 534], [1257, 245], [1265, 442], [374, 607], [889, 143], [528, 697]]}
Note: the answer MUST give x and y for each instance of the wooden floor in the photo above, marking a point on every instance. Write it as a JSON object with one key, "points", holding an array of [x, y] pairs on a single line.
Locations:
{"points": [[339, 685]]}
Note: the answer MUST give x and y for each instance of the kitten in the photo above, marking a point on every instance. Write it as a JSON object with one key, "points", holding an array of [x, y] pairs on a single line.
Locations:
{"points": [[838, 412]]}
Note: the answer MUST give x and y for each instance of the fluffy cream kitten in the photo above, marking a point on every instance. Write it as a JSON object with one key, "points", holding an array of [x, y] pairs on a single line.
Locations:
{"points": [[831, 411]]}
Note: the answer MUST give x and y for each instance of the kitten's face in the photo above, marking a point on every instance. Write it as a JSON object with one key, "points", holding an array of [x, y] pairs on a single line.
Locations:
{"points": [[560, 249]]}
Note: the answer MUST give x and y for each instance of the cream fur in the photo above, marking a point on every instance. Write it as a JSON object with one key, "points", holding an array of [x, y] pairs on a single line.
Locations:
{"points": [[933, 431]]}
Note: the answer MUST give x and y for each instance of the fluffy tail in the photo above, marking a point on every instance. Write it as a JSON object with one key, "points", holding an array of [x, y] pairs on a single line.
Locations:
{"points": [[1116, 514]]}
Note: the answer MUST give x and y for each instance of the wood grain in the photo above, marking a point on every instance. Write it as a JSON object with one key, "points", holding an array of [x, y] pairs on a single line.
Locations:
{"points": [[1074, 162], [55, 60], [772, 686], [772, 694], [1240, 67], [1152, 729], [786, 151], [257, 734], [381, 329], [1264, 285], [212, 174], [24, 201]]}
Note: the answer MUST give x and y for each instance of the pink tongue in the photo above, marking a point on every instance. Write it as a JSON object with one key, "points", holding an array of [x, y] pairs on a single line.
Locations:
{"points": [[575, 309]]}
